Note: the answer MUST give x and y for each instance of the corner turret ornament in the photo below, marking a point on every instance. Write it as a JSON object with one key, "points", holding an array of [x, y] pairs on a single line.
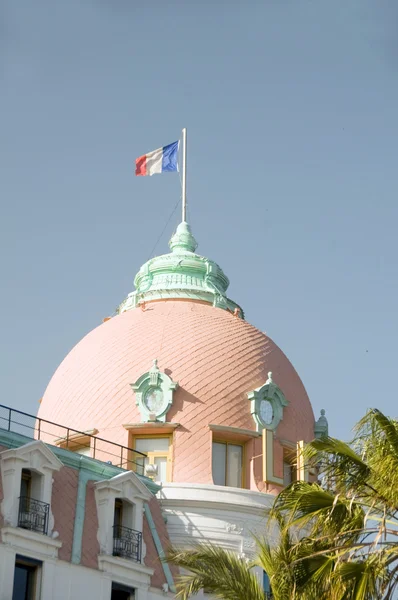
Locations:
{"points": [[154, 394], [266, 405], [321, 428]]}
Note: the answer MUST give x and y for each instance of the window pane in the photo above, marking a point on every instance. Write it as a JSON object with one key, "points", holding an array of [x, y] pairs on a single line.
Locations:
{"points": [[20, 583], [118, 515], [152, 444], [141, 463], [161, 463], [219, 455], [25, 487], [24, 582], [287, 473], [234, 475]]}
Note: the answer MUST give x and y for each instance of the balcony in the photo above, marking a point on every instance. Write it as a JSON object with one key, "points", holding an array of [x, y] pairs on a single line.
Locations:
{"points": [[81, 442], [127, 543], [33, 514]]}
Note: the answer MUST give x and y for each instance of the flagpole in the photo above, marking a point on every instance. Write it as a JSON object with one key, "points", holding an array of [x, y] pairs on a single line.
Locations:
{"points": [[184, 174]]}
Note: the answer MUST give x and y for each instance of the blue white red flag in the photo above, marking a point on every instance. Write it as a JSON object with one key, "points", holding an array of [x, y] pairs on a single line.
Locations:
{"points": [[158, 161]]}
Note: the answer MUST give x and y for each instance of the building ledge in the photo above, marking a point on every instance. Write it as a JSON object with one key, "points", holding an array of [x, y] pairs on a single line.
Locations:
{"points": [[151, 427], [207, 495], [126, 571], [234, 433], [30, 542]]}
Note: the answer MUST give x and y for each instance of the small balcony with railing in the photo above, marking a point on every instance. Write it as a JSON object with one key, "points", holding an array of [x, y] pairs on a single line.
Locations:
{"points": [[127, 543], [33, 515]]}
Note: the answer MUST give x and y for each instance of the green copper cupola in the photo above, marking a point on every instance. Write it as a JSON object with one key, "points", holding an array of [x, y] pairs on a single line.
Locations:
{"points": [[181, 275]]}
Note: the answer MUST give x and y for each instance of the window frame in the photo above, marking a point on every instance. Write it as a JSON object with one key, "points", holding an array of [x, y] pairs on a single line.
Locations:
{"points": [[217, 440], [118, 587], [157, 453], [34, 567]]}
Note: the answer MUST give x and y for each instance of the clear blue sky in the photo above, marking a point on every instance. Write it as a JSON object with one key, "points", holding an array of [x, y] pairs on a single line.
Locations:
{"points": [[291, 110]]}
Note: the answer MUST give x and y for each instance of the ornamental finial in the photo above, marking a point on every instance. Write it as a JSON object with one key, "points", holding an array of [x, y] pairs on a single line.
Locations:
{"points": [[321, 426], [269, 380], [183, 239]]}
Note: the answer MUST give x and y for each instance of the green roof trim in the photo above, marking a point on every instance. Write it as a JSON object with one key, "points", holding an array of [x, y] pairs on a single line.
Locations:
{"points": [[181, 274], [94, 469]]}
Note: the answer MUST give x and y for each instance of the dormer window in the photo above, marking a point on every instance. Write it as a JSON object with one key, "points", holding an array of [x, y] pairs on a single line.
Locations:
{"points": [[27, 475], [127, 542], [120, 502], [33, 512], [158, 453]]}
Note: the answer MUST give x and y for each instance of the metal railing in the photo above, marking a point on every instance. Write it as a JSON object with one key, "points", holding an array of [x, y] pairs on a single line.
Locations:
{"points": [[80, 442], [33, 514], [127, 543]]}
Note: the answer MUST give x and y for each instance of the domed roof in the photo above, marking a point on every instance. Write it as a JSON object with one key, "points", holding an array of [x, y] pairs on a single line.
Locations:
{"points": [[180, 317], [216, 358]]}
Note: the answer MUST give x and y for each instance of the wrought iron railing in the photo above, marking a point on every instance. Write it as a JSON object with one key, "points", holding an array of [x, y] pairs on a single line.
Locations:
{"points": [[33, 514], [80, 442], [127, 543]]}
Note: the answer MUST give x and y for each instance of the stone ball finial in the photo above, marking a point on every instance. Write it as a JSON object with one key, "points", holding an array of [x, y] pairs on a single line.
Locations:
{"points": [[323, 412]]}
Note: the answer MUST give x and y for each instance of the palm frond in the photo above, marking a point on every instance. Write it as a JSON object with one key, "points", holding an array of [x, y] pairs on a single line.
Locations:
{"points": [[308, 505], [222, 573]]}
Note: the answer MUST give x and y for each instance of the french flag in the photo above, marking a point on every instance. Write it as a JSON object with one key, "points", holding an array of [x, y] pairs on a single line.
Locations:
{"points": [[158, 161]]}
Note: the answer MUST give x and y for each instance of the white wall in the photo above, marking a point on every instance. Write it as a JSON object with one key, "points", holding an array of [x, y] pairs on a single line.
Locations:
{"points": [[221, 515], [64, 581]]}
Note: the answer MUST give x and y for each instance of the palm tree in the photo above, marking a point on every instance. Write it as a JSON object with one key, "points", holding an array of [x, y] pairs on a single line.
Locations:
{"points": [[338, 539], [350, 520], [225, 574]]}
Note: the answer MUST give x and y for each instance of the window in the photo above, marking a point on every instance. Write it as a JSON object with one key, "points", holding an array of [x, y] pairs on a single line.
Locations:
{"points": [[84, 450], [27, 472], [158, 450], [227, 464], [80, 443], [266, 586], [121, 592], [127, 542], [118, 515], [26, 579], [26, 483], [289, 467], [33, 513]]}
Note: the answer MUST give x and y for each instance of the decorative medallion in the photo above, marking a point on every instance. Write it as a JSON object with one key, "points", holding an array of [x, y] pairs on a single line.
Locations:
{"points": [[267, 403], [154, 394]]}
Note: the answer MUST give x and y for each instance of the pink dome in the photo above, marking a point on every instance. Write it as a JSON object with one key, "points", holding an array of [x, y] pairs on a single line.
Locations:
{"points": [[215, 357]]}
